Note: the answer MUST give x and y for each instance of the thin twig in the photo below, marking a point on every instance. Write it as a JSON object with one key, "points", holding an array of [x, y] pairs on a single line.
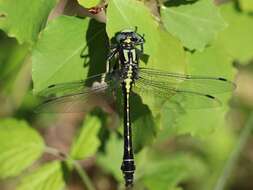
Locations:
{"points": [[235, 154], [83, 175], [55, 152], [85, 178]]}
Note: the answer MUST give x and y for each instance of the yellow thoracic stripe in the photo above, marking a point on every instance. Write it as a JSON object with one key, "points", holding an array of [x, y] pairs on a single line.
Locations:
{"points": [[125, 53]]}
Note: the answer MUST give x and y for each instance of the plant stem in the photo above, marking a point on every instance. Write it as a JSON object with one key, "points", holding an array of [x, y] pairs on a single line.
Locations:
{"points": [[83, 175], [85, 178], [235, 154], [52, 151]]}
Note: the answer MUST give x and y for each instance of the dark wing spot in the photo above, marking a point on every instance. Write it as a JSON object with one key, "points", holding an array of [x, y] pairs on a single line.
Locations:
{"points": [[223, 79], [51, 86], [2, 15], [210, 96]]}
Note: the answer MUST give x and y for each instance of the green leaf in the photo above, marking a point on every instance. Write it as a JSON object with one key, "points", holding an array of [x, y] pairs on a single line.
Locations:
{"points": [[237, 39], [166, 172], [24, 19], [87, 143], [246, 5], [214, 61], [165, 52], [59, 54], [88, 3], [111, 160], [196, 25], [12, 55], [20, 146], [48, 177]]}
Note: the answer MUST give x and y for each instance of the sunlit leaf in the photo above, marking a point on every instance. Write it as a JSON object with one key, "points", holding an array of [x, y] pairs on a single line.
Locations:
{"points": [[20, 146], [88, 3], [12, 57], [196, 25], [87, 142], [65, 50], [48, 177], [237, 39], [246, 5], [24, 19]]}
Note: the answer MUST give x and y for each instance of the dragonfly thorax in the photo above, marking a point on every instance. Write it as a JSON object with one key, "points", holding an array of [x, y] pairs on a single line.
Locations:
{"points": [[128, 56], [128, 60], [127, 48]]}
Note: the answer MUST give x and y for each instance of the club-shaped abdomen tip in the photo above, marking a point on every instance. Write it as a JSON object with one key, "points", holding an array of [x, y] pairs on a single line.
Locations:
{"points": [[129, 179], [128, 169]]}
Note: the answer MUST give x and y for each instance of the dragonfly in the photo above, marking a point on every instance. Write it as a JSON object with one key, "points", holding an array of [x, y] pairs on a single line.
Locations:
{"points": [[125, 73]]}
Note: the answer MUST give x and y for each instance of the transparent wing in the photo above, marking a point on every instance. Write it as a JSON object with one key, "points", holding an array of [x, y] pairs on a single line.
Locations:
{"points": [[192, 83], [76, 96], [70, 88], [185, 98]]}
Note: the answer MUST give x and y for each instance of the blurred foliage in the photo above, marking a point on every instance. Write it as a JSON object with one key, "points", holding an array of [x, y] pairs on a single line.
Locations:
{"points": [[239, 23], [87, 142], [24, 19], [246, 5], [175, 149], [88, 4], [20, 147], [48, 176], [202, 20]]}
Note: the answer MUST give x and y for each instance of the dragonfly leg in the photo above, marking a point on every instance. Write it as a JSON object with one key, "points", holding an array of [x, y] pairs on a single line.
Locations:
{"points": [[107, 71], [112, 53]]}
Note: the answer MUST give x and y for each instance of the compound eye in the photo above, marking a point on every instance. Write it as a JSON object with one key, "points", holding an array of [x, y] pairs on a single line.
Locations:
{"points": [[120, 37], [136, 37]]}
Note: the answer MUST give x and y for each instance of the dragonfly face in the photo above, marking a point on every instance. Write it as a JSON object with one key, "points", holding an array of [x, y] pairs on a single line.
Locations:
{"points": [[129, 39]]}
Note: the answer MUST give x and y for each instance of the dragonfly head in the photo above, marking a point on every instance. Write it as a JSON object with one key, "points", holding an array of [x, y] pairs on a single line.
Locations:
{"points": [[129, 38]]}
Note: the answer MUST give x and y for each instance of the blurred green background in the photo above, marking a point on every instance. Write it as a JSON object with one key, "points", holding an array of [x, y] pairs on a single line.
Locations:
{"points": [[175, 149]]}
